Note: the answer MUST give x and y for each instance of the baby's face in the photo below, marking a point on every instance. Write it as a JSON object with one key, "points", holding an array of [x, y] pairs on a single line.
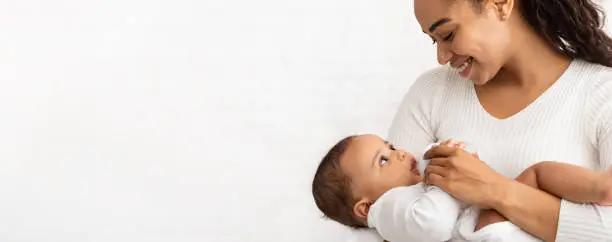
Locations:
{"points": [[375, 167]]}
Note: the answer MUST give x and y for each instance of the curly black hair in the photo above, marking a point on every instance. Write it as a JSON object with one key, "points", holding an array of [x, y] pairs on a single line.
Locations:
{"points": [[573, 27]]}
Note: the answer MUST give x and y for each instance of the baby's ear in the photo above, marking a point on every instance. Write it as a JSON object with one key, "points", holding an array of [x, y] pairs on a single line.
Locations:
{"points": [[362, 207]]}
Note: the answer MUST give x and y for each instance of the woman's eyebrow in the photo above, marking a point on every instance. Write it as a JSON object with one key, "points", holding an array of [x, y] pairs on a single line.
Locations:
{"points": [[438, 24]]}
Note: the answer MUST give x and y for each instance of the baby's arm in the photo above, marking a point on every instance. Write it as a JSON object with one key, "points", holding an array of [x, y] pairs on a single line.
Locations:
{"points": [[412, 214]]}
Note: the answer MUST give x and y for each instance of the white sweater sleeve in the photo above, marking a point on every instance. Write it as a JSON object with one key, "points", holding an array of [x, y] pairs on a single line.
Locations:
{"points": [[413, 214], [586, 222], [414, 124]]}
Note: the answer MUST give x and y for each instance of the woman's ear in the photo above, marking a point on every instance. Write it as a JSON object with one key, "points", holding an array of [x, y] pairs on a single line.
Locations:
{"points": [[361, 208], [503, 7]]}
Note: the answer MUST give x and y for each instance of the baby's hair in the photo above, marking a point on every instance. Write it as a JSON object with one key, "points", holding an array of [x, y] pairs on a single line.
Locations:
{"points": [[331, 188]]}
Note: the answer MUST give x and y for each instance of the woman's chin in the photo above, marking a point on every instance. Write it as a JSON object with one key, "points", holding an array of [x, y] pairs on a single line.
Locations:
{"points": [[473, 76], [480, 80]]}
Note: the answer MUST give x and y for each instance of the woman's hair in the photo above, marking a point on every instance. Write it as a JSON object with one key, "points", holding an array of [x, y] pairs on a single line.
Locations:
{"points": [[573, 27]]}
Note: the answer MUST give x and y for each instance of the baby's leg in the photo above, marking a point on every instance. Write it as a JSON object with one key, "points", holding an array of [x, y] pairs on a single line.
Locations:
{"points": [[487, 217], [573, 183]]}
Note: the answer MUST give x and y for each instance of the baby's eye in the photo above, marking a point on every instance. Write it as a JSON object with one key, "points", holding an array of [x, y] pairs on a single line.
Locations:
{"points": [[391, 147], [383, 160]]}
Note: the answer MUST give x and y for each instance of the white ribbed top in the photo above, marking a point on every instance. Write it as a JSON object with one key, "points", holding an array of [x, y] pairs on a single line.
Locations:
{"points": [[570, 122]]}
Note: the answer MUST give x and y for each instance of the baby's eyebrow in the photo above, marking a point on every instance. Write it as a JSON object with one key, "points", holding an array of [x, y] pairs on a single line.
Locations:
{"points": [[391, 146], [374, 159]]}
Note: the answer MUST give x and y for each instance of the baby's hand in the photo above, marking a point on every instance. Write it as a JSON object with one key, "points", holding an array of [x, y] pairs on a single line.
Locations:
{"points": [[458, 145], [452, 143]]}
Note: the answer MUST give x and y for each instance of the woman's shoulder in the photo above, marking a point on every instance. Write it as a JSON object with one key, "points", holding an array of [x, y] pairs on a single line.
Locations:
{"points": [[432, 82], [437, 76], [427, 93], [598, 78], [594, 83]]}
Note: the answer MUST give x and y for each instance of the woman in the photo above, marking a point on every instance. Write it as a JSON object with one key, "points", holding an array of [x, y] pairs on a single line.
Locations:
{"points": [[530, 81]]}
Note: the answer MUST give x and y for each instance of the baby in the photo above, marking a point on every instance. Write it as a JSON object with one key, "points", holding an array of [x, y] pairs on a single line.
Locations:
{"points": [[364, 182]]}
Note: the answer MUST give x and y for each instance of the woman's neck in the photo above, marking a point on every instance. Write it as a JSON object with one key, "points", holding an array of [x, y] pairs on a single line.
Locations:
{"points": [[535, 63]]}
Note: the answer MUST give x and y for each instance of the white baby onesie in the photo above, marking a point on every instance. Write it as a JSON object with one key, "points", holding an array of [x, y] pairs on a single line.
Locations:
{"points": [[497, 232], [415, 213], [424, 213]]}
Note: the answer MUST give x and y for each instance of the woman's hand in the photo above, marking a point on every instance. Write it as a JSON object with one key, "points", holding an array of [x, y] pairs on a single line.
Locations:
{"points": [[464, 176]]}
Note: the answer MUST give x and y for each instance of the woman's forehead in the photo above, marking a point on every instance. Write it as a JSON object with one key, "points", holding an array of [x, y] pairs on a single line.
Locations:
{"points": [[430, 12]]}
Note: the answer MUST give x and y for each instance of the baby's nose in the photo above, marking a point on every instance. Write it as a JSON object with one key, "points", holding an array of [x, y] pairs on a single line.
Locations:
{"points": [[402, 156]]}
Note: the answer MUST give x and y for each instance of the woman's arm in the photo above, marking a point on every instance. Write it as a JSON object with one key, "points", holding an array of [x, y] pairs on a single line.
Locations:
{"points": [[469, 179], [560, 219], [472, 181], [587, 222], [533, 210]]}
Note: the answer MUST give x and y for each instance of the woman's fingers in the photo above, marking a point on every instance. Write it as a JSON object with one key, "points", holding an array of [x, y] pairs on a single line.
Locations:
{"points": [[443, 162], [437, 170], [436, 180], [439, 151]]}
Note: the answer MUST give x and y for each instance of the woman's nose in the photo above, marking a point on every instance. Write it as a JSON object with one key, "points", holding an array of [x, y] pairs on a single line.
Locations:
{"points": [[444, 54]]}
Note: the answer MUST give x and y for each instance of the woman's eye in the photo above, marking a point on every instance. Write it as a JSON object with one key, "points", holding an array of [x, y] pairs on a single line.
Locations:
{"points": [[449, 37], [383, 160], [391, 147]]}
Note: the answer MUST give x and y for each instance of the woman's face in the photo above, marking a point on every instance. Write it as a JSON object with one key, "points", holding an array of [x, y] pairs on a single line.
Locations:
{"points": [[473, 38]]}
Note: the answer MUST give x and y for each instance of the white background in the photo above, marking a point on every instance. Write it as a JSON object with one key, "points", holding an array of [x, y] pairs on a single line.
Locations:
{"points": [[189, 120]]}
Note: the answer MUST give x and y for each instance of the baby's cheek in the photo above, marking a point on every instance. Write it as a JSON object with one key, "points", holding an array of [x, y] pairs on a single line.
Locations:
{"points": [[406, 179], [380, 190], [415, 180]]}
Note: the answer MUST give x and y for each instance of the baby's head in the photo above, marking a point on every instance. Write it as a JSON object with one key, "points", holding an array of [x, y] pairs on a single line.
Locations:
{"points": [[355, 173]]}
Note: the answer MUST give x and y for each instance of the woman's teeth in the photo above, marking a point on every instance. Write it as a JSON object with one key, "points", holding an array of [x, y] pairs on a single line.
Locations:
{"points": [[465, 65]]}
